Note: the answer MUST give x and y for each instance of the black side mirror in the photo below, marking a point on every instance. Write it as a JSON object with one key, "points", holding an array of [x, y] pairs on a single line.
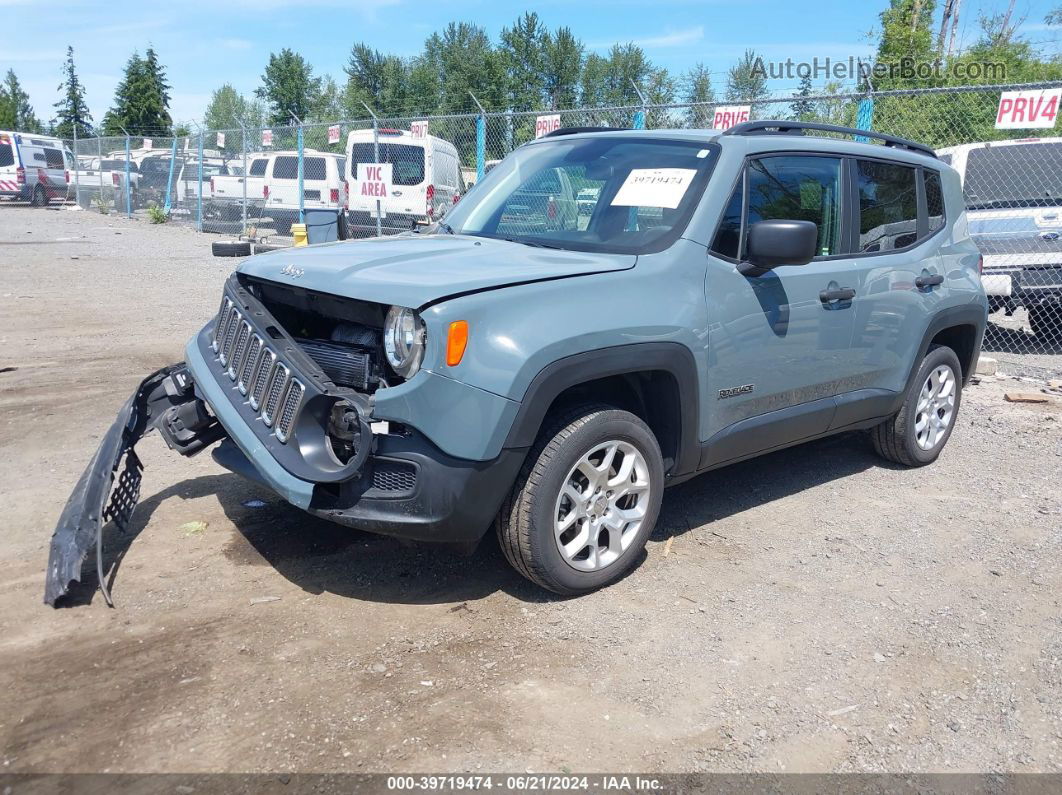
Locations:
{"points": [[774, 243]]}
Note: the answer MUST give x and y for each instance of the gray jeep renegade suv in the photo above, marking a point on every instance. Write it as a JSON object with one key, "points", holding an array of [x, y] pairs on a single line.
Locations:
{"points": [[550, 372]]}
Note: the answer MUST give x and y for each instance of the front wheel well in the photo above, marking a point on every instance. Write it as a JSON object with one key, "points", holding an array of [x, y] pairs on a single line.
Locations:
{"points": [[651, 395], [963, 340]]}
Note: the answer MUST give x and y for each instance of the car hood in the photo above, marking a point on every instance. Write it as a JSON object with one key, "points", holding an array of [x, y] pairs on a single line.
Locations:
{"points": [[416, 270]]}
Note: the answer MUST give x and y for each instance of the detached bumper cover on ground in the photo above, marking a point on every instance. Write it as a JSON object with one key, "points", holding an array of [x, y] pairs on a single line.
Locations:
{"points": [[165, 400]]}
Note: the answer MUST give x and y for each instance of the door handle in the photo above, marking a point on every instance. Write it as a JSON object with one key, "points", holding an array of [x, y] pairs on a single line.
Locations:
{"points": [[840, 294], [928, 281]]}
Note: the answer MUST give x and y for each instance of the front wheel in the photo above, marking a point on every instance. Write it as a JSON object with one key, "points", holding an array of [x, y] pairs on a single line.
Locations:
{"points": [[585, 502], [917, 433]]}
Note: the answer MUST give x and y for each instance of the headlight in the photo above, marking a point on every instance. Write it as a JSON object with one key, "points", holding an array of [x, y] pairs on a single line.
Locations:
{"points": [[404, 341]]}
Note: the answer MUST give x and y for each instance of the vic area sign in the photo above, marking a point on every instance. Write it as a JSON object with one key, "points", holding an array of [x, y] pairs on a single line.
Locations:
{"points": [[1028, 110], [373, 182]]}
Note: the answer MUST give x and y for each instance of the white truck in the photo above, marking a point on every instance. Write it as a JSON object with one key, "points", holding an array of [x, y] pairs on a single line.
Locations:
{"points": [[228, 191], [104, 180]]}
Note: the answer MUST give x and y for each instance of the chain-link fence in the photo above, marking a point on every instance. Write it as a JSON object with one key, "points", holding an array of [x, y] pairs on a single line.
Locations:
{"points": [[258, 182]]}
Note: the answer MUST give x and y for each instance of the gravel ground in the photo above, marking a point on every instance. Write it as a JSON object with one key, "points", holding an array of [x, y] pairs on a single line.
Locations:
{"points": [[812, 610]]}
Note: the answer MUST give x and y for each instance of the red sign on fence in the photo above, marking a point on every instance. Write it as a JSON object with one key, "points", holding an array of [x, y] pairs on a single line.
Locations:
{"points": [[419, 129], [1027, 110], [333, 134], [547, 124], [726, 116], [267, 137]]}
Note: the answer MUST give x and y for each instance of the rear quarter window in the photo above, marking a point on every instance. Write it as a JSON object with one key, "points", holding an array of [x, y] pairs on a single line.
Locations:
{"points": [[54, 158], [286, 168], [258, 168], [7, 154]]}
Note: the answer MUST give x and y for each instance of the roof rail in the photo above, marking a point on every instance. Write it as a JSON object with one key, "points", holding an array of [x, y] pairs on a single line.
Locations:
{"points": [[574, 130], [798, 127]]}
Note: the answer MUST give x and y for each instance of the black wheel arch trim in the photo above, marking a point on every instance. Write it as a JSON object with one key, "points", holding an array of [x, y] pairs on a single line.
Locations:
{"points": [[671, 357], [967, 315]]}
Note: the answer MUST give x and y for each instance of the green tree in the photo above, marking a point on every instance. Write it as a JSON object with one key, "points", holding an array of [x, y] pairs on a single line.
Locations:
{"points": [[592, 91], [563, 65], [328, 104], [141, 100], [71, 111], [746, 82], [288, 87], [380, 81], [228, 108], [523, 53], [803, 109], [699, 90], [16, 113]]}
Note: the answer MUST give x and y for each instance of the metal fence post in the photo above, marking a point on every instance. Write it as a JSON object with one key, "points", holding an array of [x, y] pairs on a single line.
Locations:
{"points": [[243, 213], [99, 170], [299, 146], [199, 193], [77, 183], [128, 182], [481, 139], [169, 180], [638, 122], [376, 159]]}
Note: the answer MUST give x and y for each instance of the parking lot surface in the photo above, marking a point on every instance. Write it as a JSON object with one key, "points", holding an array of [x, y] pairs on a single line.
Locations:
{"points": [[811, 610]]}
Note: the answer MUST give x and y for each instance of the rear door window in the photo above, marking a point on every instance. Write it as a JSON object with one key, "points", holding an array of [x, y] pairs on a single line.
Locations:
{"points": [[312, 168], [258, 167], [888, 206], [286, 168], [408, 161]]}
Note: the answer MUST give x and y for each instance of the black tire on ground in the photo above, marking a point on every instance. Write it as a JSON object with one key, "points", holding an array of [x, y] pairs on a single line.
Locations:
{"points": [[230, 248], [39, 197], [525, 523], [896, 438], [1045, 321]]}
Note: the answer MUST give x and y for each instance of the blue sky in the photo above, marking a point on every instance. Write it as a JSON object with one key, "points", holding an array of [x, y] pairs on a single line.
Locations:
{"points": [[204, 43]]}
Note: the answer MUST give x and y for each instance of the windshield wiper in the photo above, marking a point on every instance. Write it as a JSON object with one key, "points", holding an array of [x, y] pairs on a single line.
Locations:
{"points": [[532, 243]]}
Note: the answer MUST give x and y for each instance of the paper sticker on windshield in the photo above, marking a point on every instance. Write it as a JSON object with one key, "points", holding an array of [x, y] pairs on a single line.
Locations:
{"points": [[654, 187]]}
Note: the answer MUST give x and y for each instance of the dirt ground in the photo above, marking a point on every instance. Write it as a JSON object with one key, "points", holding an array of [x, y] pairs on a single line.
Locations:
{"points": [[813, 610]]}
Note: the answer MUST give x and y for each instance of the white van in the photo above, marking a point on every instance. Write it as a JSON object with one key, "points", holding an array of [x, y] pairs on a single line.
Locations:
{"points": [[322, 185], [33, 168], [426, 180]]}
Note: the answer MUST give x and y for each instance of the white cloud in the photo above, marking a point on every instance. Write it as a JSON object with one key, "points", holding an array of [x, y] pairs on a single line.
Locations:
{"points": [[673, 38]]}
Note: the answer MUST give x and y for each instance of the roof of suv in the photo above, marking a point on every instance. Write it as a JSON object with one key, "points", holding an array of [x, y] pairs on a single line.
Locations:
{"points": [[773, 130]]}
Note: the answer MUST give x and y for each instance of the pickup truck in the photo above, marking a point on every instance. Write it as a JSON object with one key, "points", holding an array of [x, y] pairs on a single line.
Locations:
{"points": [[227, 191], [105, 179]]}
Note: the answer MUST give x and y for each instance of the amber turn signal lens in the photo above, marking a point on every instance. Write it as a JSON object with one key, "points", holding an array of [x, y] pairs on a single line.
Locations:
{"points": [[456, 341]]}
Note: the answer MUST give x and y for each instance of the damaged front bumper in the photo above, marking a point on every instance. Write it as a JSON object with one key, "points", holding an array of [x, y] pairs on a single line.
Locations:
{"points": [[165, 400]]}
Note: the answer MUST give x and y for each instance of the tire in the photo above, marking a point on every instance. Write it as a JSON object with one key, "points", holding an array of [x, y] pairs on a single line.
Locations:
{"points": [[907, 440], [230, 248], [527, 523], [1045, 321], [39, 197]]}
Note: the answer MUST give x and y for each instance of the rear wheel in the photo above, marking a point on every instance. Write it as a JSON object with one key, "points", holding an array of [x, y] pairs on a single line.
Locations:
{"points": [[39, 197], [585, 502], [917, 433]]}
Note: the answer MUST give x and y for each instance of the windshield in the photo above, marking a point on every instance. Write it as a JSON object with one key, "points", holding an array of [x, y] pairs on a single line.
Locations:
{"points": [[640, 191], [1021, 175]]}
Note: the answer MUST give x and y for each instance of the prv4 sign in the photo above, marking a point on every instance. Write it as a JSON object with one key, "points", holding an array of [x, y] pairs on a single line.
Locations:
{"points": [[1028, 110], [547, 124], [726, 116]]}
